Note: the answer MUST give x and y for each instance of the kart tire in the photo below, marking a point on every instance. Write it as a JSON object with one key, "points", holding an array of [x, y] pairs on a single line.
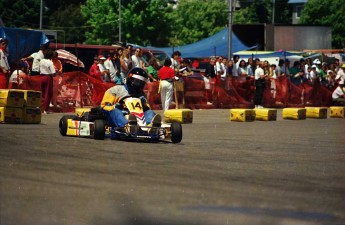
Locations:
{"points": [[176, 132], [63, 123], [99, 132]]}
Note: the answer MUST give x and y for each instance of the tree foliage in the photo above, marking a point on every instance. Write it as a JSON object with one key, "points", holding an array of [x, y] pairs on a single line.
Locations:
{"points": [[21, 13], [329, 13], [73, 27], [142, 22], [159, 23], [187, 27]]}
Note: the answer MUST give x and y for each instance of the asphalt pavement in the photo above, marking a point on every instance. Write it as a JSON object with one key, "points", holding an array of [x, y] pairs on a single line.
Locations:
{"points": [[223, 172]]}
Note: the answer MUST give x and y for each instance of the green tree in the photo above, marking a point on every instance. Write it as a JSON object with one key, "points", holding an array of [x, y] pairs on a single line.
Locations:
{"points": [[143, 22], [21, 13], [194, 20], [329, 13], [73, 27], [257, 11]]}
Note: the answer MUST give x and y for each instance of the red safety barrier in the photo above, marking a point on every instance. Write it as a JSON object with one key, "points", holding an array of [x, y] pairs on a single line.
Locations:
{"points": [[77, 89]]}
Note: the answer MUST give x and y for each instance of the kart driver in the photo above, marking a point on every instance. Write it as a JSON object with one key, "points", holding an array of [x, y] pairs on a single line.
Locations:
{"points": [[134, 87]]}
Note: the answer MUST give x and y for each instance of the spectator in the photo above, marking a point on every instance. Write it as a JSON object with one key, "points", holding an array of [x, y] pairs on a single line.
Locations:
{"points": [[18, 76], [323, 73], [224, 67], [152, 70], [167, 75], [250, 70], [273, 71], [230, 67], [341, 73], [338, 94], [47, 71], [110, 66], [235, 58], [296, 73], [307, 65], [58, 79], [210, 74], [280, 68], [57, 63], [175, 61], [336, 65], [219, 70], [94, 70], [129, 56], [185, 69], [136, 59], [313, 74], [330, 79], [242, 70], [37, 57], [259, 86], [124, 61], [286, 68], [102, 68], [4, 65]]}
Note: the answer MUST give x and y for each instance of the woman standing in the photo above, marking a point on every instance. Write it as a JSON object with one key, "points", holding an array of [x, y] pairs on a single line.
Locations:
{"points": [[152, 70], [166, 74]]}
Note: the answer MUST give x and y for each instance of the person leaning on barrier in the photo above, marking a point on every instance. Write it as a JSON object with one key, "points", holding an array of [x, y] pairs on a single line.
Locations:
{"points": [[338, 95]]}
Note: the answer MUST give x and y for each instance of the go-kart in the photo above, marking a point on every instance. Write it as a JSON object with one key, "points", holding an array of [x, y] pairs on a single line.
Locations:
{"points": [[95, 124]]}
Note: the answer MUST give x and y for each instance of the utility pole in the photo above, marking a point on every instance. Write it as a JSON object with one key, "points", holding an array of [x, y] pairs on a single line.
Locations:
{"points": [[120, 21], [230, 31], [41, 14], [273, 11]]}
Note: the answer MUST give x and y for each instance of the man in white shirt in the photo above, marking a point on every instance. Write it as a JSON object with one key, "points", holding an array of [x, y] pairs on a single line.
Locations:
{"points": [[235, 58], [102, 68], [341, 73], [136, 59], [110, 66], [338, 94], [37, 57], [259, 86]]}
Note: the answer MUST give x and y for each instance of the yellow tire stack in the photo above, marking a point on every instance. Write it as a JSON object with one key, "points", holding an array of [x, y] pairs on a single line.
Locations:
{"points": [[178, 115], [242, 115], [20, 106], [337, 112]]}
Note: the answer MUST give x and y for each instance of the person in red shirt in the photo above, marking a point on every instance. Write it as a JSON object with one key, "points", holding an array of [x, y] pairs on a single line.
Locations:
{"points": [[94, 70], [167, 75], [95, 73]]}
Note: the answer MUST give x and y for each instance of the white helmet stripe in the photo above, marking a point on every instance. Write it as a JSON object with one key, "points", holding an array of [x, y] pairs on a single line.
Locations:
{"points": [[139, 77]]}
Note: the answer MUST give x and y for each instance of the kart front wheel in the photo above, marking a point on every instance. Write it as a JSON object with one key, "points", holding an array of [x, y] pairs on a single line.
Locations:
{"points": [[63, 123], [99, 132], [176, 132]]}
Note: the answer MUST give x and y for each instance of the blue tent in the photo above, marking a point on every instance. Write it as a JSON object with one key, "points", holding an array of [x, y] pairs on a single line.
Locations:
{"points": [[211, 46], [22, 42]]}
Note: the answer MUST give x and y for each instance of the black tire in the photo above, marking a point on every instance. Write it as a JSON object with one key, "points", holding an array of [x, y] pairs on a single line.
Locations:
{"points": [[99, 132], [176, 132], [63, 123]]}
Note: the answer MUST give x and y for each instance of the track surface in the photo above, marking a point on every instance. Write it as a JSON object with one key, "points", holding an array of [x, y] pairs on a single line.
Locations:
{"points": [[274, 172]]}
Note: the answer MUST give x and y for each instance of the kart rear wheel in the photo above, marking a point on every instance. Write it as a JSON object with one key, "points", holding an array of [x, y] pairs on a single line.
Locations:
{"points": [[176, 132], [99, 132], [63, 123]]}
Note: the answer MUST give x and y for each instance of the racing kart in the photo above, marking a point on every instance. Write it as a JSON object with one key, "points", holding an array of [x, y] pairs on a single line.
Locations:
{"points": [[95, 124]]}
